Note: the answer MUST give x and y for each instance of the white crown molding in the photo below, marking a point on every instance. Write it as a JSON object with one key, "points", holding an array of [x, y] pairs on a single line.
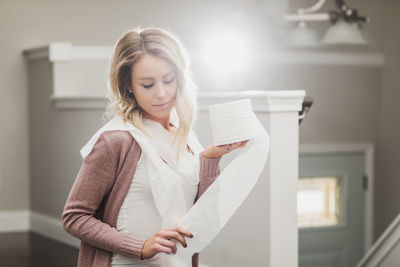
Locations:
{"points": [[262, 101], [66, 52], [328, 58], [36, 53], [59, 52], [79, 102]]}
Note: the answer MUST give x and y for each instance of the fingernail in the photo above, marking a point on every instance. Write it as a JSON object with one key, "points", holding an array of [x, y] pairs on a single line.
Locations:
{"points": [[185, 246], [191, 235]]}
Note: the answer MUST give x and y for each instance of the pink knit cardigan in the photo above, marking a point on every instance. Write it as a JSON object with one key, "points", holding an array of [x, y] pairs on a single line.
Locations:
{"points": [[103, 181]]}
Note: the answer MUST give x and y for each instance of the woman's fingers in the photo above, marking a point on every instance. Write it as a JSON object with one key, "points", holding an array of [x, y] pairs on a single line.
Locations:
{"points": [[215, 151], [235, 144], [161, 248], [181, 231], [232, 146], [161, 242], [184, 232], [243, 143], [167, 243], [175, 235]]}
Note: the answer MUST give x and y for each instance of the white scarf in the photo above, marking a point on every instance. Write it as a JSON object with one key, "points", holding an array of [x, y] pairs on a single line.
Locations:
{"points": [[212, 211], [164, 179]]}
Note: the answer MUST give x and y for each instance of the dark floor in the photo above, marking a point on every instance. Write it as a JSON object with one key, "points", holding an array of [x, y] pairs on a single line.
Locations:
{"points": [[31, 250]]}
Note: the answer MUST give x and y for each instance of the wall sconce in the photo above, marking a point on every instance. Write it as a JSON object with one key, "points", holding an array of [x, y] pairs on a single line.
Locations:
{"points": [[345, 29]]}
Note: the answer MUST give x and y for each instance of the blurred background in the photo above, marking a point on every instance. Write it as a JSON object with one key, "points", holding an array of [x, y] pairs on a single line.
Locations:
{"points": [[352, 126]]}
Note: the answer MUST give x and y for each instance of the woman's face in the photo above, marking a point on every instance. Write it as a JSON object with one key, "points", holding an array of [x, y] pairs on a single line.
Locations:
{"points": [[154, 86]]}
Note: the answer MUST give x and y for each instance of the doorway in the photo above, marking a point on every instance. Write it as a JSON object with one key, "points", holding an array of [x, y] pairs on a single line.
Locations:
{"points": [[331, 209]]}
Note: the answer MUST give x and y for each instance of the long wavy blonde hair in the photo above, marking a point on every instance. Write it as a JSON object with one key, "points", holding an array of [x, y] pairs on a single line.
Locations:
{"points": [[127, 51]]}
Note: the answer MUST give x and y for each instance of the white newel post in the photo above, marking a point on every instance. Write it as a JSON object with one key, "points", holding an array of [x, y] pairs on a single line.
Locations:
{"points": [[264, 230], [283, 177]]}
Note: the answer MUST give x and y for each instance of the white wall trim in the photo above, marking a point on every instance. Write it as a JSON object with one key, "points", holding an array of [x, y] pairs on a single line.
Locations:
{"points": [[52, 228], [45, 225], [382, 247], [14, 221], [328, 58], [262, 100], [368, 151], [79, 102], [66, 51]]}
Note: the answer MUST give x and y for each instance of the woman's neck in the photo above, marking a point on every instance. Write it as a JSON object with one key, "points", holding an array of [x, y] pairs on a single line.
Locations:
{"points": [[165, 122]]}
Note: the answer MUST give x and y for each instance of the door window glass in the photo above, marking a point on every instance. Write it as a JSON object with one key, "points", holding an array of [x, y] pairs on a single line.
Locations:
{"points": [[318, 201]]}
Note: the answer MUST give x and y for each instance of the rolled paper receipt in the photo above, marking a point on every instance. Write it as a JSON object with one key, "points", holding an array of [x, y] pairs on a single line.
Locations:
{"points": [[231, 122]]}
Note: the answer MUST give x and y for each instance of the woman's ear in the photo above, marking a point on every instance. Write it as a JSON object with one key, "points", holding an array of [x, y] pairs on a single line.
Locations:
{"points": [[129, 88]]}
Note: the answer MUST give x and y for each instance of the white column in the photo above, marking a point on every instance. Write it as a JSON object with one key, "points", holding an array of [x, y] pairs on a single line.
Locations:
{"points": [[283, 175], [263, 232]]}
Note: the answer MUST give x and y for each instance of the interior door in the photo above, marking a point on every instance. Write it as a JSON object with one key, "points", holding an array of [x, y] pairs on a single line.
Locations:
{"points": [[330, 210]]}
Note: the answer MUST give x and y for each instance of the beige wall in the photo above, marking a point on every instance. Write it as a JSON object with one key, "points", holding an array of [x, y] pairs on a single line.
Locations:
{"points": [[346, 98], [27, 24], [387, 203], [384, 29], [393, 259]]}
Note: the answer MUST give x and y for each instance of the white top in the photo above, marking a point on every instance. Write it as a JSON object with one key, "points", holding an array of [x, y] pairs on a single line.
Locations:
{"points": [[138, 215]]}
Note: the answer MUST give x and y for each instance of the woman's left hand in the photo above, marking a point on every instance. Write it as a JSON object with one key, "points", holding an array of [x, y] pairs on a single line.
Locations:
{"points": [[213, 151]]}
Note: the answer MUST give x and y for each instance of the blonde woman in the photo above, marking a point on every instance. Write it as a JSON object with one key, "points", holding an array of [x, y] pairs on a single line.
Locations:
{"points": [[112, 207]]}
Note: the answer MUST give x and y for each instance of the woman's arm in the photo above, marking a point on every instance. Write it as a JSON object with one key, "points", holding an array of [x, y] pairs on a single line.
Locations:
{"points": [[93, 182], [209, 171]]}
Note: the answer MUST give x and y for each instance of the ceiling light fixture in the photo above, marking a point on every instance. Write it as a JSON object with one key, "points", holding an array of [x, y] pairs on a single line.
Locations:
{"points": [[346, 26]]}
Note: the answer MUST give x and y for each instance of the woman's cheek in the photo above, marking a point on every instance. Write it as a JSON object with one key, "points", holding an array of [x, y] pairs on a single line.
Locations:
{"points": [[174, 89]]}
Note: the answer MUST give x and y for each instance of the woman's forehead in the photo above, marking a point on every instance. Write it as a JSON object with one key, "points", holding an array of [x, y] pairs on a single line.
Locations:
{"points": [[151, 67]]}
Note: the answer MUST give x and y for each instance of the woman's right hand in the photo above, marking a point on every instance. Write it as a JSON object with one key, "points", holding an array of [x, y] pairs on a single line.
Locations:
{"points": [[161, 242], [213, 151]]}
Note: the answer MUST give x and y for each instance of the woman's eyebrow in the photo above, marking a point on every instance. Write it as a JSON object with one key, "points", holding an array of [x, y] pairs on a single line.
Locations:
{"points": [[152, 78]]}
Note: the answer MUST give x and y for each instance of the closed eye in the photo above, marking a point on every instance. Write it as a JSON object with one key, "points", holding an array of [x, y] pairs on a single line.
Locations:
{"points": [[147, 85], [150, 85], [170, 81]]}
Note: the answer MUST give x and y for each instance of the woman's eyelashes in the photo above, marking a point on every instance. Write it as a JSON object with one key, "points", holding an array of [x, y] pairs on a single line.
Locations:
{"points": [[151, 85], [147, 86]]}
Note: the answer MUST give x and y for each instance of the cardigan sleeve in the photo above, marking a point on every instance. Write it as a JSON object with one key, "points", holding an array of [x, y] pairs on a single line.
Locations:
{"points": [[209, 171], [93, 182]]}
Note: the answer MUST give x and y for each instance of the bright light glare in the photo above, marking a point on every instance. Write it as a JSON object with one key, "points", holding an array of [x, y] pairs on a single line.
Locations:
{"points": [[310, 201], [318, 201], [225, 53]]}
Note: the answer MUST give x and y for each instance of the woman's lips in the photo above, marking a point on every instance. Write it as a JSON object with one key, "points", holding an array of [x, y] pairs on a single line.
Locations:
{"points": [[162, 105]]}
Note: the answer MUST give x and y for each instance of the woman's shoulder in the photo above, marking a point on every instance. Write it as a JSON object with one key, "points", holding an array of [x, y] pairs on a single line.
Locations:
{"points": [[118, 140]]}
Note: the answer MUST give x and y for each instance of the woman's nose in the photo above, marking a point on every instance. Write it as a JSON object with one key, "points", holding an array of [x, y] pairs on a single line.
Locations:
{"points": [[161, 90]]}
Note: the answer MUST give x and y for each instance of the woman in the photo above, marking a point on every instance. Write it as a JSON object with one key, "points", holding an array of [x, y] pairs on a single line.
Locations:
{"points": [[111, 207]]}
